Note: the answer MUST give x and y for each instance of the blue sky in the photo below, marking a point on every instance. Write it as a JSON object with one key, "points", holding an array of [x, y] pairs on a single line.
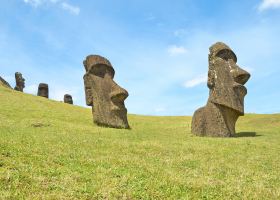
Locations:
{"points": [[159, 48]]}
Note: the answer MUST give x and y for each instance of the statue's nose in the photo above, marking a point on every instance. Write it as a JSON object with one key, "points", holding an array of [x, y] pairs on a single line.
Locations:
{"points": [[241, 76], [118, 94]]}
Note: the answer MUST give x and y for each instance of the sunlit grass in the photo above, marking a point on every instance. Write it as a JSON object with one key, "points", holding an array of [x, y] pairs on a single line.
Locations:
{"points": [[51, 150]]}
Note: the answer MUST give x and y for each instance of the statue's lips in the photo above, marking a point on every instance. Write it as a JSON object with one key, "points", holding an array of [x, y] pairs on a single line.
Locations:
{"points": [[241, 89]]}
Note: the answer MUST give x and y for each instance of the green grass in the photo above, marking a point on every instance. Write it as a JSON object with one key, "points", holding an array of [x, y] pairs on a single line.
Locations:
{"points": [[51, 150]]}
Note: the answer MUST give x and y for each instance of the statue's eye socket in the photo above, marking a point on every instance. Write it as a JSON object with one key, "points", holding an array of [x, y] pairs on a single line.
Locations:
{"points": [[99, 71], [226, 54]]}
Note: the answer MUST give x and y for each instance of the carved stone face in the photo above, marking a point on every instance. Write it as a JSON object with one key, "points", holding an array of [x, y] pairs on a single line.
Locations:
{"points": [[20, 82], [43, 90], [226, 79], [104, 95], [68, 99]]}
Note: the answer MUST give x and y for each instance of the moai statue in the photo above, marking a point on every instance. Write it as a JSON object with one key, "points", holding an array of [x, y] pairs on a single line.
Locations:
{"points": [[104, 95], [43, 90], [4, 83], [226, 98], [20, 82], [68, 99]]}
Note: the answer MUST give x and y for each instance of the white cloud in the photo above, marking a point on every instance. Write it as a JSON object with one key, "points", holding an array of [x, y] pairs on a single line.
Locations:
{"points": [[196, 81], [57, 93], [31, 89], [160, 109], [33, 2], [75, 10], [36, 3], [72, 9], [180, 32], [150, 17], [176, 50], [269, 4]]}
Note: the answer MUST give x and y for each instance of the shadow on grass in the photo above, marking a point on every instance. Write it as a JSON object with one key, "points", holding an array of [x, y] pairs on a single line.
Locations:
{"points": [[246, 134]]}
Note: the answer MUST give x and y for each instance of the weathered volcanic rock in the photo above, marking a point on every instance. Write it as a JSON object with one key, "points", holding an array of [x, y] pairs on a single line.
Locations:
{"points": [[68, 99], [226, 99], [43, 90], [20, 82], [104, 95]]}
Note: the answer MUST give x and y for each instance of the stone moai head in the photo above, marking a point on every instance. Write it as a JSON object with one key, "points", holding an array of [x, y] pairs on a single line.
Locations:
{"points": [[226, 79], [68, 99], [226, 97], [20, 82], [104, 95], [43, 90]]}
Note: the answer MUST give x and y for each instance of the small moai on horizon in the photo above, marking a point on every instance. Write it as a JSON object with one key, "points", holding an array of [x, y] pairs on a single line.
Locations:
{"points": [[5, 83], [68, 99], [226, 98], [43, 90], [104, 95], [20, 82]]}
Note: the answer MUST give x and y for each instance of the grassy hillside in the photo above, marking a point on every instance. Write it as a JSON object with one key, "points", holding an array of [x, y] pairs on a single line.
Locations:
{"points": [[51, 150]]}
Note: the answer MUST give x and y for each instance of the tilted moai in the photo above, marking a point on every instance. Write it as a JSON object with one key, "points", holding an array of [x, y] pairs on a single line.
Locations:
{"points": [[226, 98], [43, 90], [104, 95], [20, 82], [68, 99]]}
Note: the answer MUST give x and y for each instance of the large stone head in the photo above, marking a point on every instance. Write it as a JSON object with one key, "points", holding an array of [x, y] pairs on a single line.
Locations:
{"points": [[20, 82], [104, 95], [226, 79], [43, 90], [68, 99]]}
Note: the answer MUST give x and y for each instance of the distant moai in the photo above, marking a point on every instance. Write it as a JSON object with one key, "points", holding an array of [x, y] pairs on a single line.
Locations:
{"points": [[4, 83], [226, 99], [43, 90], [20, 82], [68, 99], [104, 95]]}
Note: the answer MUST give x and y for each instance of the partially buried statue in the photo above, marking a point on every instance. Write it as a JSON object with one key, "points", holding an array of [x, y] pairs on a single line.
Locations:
{"points": [[104, 95], [20, 82], [226, 99], [68, 99], [43, 90]]}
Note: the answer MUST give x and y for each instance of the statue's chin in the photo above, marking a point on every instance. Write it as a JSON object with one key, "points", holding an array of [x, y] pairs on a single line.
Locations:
{"points": [[230, 98], [113, 118], [235, 106]]}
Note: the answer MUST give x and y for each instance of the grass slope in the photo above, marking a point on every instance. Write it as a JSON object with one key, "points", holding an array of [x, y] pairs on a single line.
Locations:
{"points": [[51, 150]]}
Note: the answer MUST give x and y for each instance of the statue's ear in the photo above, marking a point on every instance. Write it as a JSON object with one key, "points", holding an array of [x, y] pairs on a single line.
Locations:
{"points": [[88, 92], [211, 79]]}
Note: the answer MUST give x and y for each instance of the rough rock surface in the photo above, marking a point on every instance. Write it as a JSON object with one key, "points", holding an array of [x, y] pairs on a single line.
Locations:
{"points": [[226, 98], [20, 82], [104, 95], [68, 99], [4, 83], [43, 90]]}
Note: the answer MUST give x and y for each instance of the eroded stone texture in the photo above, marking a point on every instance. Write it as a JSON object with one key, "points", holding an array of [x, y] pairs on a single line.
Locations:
{"points": [[43, 90], [20, 82], [4, 83], [68, 99], [226, 98], [104, 95]]}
